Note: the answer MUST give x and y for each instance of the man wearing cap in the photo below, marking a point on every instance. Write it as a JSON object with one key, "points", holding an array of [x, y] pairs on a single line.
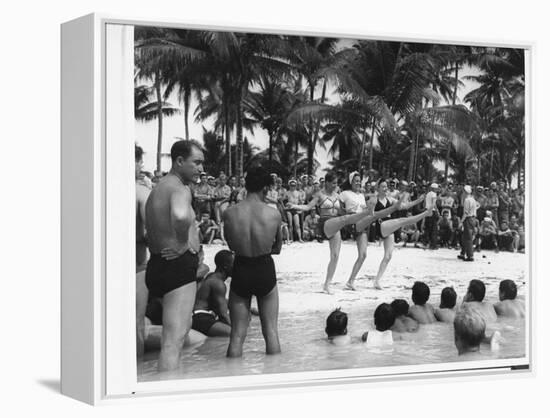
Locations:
{"points": [[468, 224], [431, 222]]}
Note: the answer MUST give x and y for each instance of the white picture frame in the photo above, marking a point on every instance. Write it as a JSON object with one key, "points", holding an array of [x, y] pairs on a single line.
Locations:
{"points": [[98, 310]]}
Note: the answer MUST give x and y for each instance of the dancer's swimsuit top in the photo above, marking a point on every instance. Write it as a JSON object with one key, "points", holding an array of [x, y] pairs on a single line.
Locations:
{"points": [[381, 206], [329, 206], [354, 202]]}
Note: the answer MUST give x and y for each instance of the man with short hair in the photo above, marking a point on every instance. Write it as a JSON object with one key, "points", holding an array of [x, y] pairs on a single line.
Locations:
{"points": [[253, 232], [468, 226], [142, 193], [474, 298], [174, 243]]}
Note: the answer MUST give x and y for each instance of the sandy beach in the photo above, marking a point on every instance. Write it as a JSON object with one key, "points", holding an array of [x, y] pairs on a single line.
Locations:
{"points": [[301, 271]]}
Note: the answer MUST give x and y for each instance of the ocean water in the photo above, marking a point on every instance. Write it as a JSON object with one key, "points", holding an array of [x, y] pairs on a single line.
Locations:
{"points": [[305, 348]]}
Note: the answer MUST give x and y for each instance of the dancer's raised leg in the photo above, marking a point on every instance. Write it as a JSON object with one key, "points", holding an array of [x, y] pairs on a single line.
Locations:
{"points": [[391, 225]]}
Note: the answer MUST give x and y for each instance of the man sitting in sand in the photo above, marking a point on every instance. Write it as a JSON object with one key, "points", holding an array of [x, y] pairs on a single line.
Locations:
{"points": [[446, 311], [384, 318], [174, 243], [509, 306], [403, 323], [253, 232], [474, 298], [470, 328], [422, 311], [210, 314], [337, 328]]}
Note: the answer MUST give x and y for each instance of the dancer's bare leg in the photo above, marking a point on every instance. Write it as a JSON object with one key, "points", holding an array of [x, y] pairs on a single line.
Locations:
{"points": [[388, 250], [290, 226], [296, 219], [361, 256], [334, 244], [391, 225]]}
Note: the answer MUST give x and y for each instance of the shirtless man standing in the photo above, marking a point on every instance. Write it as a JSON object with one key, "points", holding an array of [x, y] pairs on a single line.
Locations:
{"points": [[142, 193], [252, 230], [174, 244]]}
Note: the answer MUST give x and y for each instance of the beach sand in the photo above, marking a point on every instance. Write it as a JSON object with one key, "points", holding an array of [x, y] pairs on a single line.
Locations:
{"points": [[301, 270]]}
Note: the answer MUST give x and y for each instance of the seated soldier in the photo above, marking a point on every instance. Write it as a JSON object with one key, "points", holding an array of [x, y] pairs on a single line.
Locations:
{"points": [[509, 305], [410, 233], [210, 313], [505, 237], [422, 311]]}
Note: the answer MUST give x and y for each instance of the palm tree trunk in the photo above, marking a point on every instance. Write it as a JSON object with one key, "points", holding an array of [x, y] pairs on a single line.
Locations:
{"points": [[239, 149], [371, 145], [312, 146], [227, 136], [186, 97], [363, 144], [295, 157], [159, 117], [448, 155], [416, 156], [270, 148], [412, 158], [491, 164]]}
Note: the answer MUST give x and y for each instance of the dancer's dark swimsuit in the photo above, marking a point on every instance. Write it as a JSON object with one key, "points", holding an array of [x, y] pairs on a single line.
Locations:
{"points": [[327, 203], [381, 206], [253, 276], [163, 275]]}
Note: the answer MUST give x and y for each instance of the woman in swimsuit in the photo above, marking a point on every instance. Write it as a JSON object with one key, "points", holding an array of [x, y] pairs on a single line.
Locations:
{"points": [[331, 221], [294, 197], [385, 227]]}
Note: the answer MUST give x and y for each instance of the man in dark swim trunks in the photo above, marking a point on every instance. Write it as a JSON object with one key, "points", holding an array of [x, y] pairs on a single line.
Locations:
{"points": [[253, 232], [174, 243], [210, 314]]}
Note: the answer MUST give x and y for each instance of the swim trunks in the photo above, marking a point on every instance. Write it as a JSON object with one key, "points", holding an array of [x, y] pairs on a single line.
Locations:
{"points": [[163, 275], [321, 227], [253, 276], [203, 321]]}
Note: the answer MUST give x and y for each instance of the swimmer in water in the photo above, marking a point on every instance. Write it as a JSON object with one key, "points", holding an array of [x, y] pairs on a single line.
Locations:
{"points": [[470, 332], [384, 318], [253, 233], [422, 311], [403, 322], [337, 328], [474, 298], [446, 311], [509, 306]]}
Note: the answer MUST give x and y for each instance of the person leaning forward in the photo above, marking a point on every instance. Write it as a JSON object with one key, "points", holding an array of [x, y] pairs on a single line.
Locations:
{"points": [[174, 244]]}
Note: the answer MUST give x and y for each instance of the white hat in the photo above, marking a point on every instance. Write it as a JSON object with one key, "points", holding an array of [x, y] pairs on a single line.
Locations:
{"points": [[434, 185], [487, 219], [468, 189]]}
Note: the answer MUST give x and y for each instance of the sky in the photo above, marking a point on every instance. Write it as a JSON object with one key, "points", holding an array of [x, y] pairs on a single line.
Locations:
{"points": [[174, 127]]}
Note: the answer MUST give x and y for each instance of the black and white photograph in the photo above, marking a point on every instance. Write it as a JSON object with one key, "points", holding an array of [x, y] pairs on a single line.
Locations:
{"points": [[317, 203]]}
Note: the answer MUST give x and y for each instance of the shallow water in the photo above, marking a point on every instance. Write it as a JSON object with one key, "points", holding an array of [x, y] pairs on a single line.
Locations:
{"points": [[305, 348]]}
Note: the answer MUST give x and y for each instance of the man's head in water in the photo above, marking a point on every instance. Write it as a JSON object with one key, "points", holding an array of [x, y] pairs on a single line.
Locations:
{"points": [[224, 262], [469, 330], [384, 317], [448, 298], [476, 291], [139, 161], [507, 290], [420, 293], [337, 324], [257, 180], [400, 307], [187, 160]]}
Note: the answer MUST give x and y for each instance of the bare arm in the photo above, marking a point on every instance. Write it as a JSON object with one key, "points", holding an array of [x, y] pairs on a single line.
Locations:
{"points": [[307, 207], [181, 213], [278, 244], [218, 296]]}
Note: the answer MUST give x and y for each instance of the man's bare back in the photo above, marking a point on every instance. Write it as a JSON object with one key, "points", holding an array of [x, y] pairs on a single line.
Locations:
{"points": [[485, 309], [164, 231], [510, 308], [142, 193], [251, 228], [423, 314]]}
